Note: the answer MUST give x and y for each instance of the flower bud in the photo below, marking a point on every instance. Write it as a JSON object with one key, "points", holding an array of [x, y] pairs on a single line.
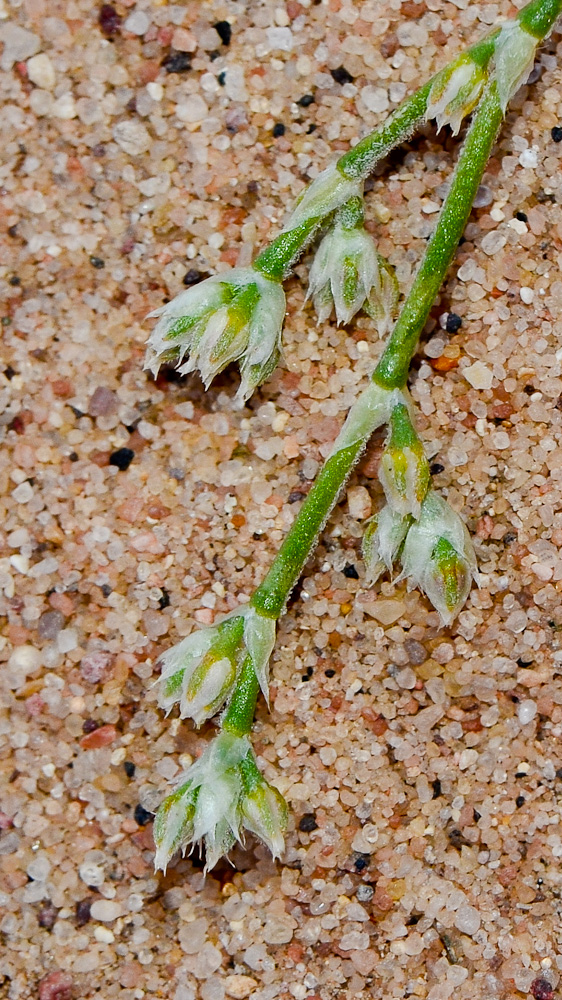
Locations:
{"points": [[384, 535], [235, 316], [347, 272], [438, 557], [200, 672], [404, 469], [221, 793], [264, 810], [456, 92]]}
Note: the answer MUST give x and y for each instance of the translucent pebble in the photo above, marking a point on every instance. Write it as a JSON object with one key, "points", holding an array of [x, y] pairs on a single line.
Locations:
{"points": [[106, 910], [192, 109], [483, 197], [529, 158], [9, 843], [280, 38], [91, 874], [493, 242], [40, 71], [64, 107], [355, 941], [67, 640], [526, 711], [478, 376], [132, 137], [137, 23], [434, 347], [23, 493], [470, 271], [39, 868], [19, 44], [467, 919], [375, 98], [25, 660]]}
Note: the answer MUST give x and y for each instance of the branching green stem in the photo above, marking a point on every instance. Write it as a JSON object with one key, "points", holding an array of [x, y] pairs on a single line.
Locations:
{"points": [[391, 373]]}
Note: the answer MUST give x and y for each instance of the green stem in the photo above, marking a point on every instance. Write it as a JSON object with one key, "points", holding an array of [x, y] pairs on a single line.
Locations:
{"points": [[278, 258], [539, 16], [394, 365], [239, 715], [391, 373], [367, 413]]}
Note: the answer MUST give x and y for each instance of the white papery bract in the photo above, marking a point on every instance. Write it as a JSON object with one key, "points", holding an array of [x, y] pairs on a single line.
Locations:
{"points": [[217, 798], [514, 57], [383, 537], [438, 557], [349, 274], [235, 316], [325, 194], [456, 92], [201, 671]]}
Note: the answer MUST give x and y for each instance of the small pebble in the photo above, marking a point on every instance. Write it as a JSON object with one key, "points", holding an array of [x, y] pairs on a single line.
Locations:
{"points": [[47, 916], [104, 935], [177, 62], [142, 815], [96, 667], [41, 72], [224, 31], [527, 295], [307, 823], [478, 375], [239, 987], [109, 20], [19, 44], [137, 23], [414, 650], [50, 624], [82, 911], [132, 136], [529, 158], [57, 985], [467, 919], [122, 458], [556, 133], [101, 737], [106, 910], [526, 711], [364, 893], [359, 502], [341, 75]]}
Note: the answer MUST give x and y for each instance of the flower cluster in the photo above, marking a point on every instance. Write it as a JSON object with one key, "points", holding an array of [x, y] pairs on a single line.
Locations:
{"points": [[349, 274], [201, 671], [236, 316], [220, 795], [416, 527]]}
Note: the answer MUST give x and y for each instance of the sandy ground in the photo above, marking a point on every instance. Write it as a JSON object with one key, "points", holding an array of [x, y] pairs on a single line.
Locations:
{"points": [[141, 150]]}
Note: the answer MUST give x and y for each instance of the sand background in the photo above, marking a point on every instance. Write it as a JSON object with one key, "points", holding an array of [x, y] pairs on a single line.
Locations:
{"points": [[422, 766]]}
